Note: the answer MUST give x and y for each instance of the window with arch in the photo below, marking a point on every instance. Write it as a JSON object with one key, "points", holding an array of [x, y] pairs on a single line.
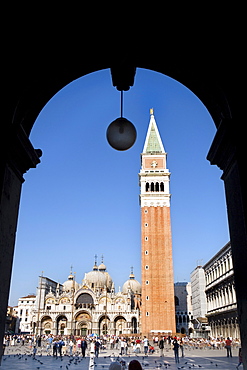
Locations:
{"points": [[176, 301], [84, 298], [157, 186]]}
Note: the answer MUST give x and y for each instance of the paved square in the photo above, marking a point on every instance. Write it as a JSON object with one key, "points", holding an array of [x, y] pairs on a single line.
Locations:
{"points": [[19, 357]]}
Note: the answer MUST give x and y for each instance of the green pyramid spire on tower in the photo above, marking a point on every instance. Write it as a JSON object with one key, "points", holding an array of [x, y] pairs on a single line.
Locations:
{"points": [[153, 143]]}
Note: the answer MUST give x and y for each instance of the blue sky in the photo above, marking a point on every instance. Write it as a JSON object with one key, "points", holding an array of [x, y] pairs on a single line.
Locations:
{"points": [[83, 198]]}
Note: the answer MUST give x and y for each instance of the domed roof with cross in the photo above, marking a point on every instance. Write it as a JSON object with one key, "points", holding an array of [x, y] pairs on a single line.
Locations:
{"points": [[132, 284], [70, 284], [102, 266], [98, 278]]}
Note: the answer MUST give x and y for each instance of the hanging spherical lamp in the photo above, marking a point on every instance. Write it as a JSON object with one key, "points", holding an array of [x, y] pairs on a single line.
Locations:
{"points": [[121, 133]]}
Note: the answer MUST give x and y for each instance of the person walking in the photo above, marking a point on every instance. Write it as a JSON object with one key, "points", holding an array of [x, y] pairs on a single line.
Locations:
{"points": [[96, 348], [54, 348], [122, 346], [126, 346], [60, 345], [49, 343], [161, 347], [34, 351], [175, 349], [92, 347], [228, 347], [181, 345], [145, 345], [71, 345], [83, 346], [112, 343], [138, 345]]}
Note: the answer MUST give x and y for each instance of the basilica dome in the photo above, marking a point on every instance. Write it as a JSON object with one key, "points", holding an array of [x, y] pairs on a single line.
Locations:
{"points": [[132, 284], [70, 283], [95, 279], [102, 267], [98, 278]]}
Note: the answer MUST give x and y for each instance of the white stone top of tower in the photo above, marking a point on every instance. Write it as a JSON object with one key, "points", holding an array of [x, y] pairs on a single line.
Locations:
{"points": [[153, 142], [154, 175]]}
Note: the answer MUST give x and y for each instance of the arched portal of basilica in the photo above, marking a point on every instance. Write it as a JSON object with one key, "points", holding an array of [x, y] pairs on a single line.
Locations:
{"points": [[83, 323]]}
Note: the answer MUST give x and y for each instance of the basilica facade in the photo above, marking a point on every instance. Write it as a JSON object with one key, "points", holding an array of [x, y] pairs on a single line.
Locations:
{"points": [[92, 307]]}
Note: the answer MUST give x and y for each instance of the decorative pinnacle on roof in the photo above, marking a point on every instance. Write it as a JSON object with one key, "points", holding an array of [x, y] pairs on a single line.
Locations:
{"points": [[95, 267], [132, 276], [153, 143]]}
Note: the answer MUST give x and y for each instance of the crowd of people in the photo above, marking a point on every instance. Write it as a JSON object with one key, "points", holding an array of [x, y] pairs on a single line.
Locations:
{"points": [[60, 345], [54, 345]]}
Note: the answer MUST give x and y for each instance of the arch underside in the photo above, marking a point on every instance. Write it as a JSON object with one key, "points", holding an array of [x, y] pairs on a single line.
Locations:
{"points": [[42, 88]]}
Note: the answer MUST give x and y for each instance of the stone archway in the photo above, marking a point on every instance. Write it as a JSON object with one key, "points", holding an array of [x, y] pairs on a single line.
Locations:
{"points": [[134, 327], [120, 325], [61, 325], [83, 322], [104, 324], [46, 325], [214, 81], [83, 329]]}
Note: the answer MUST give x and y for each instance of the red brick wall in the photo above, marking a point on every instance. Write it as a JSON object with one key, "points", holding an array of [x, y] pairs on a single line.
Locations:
{"points": [[157, 269]]}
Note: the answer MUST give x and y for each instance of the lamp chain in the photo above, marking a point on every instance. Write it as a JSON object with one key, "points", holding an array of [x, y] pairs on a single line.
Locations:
{"points": [[121, 103]]}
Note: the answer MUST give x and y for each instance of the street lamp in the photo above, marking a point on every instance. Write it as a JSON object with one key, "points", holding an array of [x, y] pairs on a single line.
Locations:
{"points": [[121, 133]]}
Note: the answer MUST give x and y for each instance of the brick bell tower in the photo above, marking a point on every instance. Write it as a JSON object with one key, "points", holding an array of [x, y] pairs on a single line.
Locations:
{"points": [[158, 308]]}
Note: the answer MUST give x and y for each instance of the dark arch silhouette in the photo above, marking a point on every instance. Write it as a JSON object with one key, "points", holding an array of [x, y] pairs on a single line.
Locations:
{"points": [[36, 71], [41, 90]]}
